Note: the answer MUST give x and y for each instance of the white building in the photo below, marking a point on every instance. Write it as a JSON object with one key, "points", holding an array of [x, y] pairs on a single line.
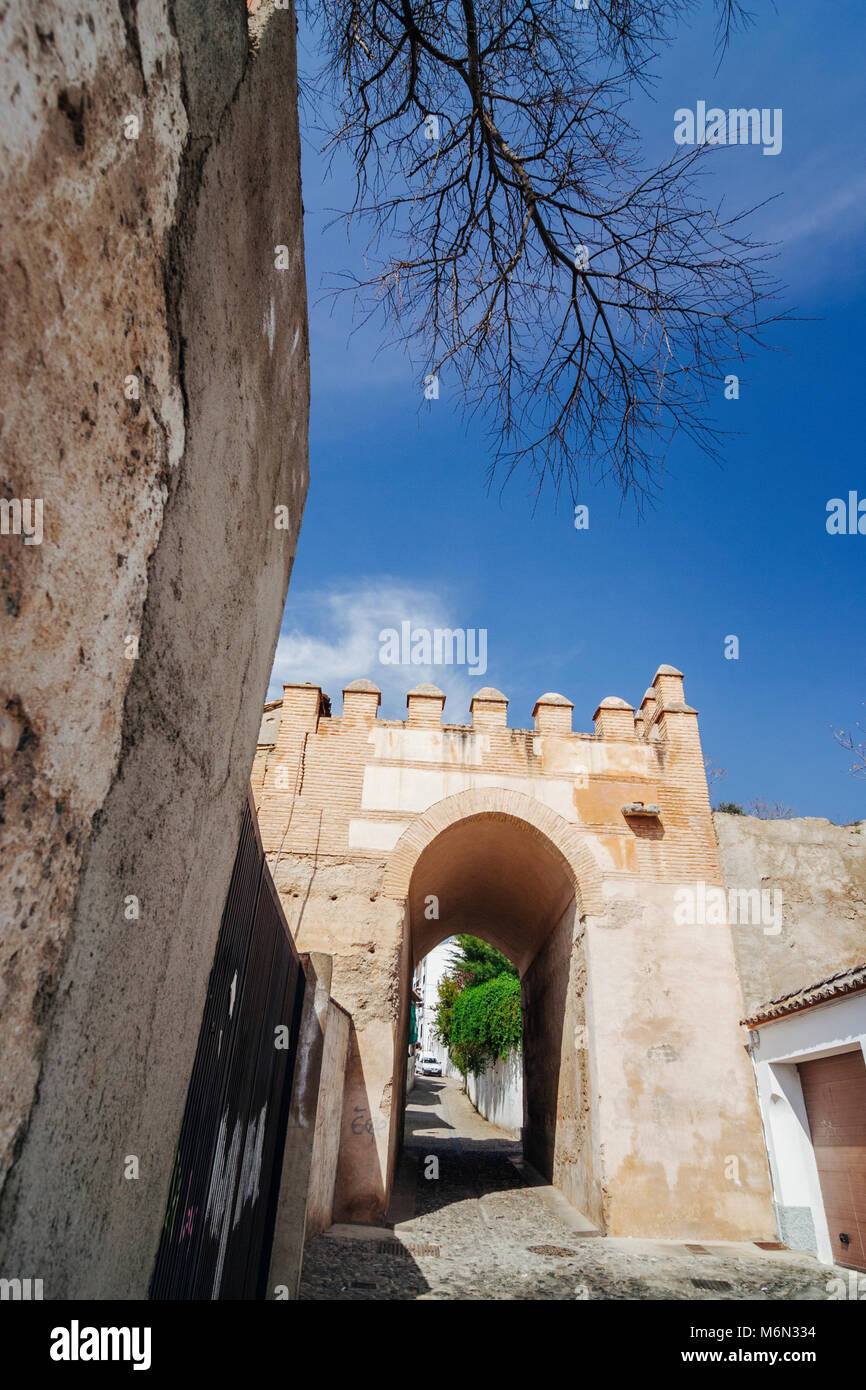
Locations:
{"points": [[428, 973], [809, 1054]]}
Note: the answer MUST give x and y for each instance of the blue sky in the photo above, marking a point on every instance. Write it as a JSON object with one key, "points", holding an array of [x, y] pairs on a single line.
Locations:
{"points": [[400, 524]]}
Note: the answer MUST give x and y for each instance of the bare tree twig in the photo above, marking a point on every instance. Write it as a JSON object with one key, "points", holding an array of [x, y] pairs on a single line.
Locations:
{"points": [[588, 306], [854, 743]]}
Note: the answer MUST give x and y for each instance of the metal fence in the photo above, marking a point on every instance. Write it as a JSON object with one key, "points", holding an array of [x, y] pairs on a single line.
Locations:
{"points": [[219, 1221]]}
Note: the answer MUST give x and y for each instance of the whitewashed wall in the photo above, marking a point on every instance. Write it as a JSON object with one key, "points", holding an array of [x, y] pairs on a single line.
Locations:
{"points": [[497, 1093]]}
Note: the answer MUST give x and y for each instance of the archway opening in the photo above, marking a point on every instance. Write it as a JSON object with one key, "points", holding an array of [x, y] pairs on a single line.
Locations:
{"points": [[498, 878]]}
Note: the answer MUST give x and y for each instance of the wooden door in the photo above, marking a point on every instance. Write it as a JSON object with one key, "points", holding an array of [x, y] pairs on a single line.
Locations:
{"points": [[834, 1089]]}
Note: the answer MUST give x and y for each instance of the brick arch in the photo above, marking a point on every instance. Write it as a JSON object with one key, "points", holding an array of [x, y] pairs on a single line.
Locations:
{"points": [[501, 803]]}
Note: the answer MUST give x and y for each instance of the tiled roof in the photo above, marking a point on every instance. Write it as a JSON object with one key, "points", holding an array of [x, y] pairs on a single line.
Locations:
{"points": [[845, 982]]}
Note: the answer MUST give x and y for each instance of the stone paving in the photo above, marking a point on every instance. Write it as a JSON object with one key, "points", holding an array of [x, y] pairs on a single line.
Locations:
{"points": [[489, 1228]]}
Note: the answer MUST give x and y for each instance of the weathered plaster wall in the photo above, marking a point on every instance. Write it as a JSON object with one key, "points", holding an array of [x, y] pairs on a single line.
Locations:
{"points": [[86, 216], [404, 1061], [339, 908], [544, 991], [559, 1109], [671, 1068], [303, 1131], [125, 777], [820, 870], [329, 1119]]}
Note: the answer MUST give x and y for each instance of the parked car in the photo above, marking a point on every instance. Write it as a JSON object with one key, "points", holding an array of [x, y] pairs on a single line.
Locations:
{"points": [[428, 1066]]}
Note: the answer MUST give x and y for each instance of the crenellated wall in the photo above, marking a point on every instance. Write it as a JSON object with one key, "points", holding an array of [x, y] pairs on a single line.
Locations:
{"points": [[365, 779]]}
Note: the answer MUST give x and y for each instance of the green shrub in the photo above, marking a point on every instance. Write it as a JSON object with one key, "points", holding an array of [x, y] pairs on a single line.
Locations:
{"points": [[477, 961], [449, 993], [485, 1023]]}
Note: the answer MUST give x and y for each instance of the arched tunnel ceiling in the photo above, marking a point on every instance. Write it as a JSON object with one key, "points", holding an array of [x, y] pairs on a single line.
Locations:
{"points": [[495, 878]]}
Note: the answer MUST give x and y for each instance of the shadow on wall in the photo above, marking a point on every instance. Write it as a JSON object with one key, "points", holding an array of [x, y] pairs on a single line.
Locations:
{"points": [[549, 1087], [359, 1195]]}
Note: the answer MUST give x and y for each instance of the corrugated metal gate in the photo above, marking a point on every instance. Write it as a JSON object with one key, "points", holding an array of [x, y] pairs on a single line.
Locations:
{"points": [[219, 1222]]}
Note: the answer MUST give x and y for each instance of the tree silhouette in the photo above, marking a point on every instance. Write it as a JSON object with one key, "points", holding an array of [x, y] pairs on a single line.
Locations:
{"points": [[588, 304]]}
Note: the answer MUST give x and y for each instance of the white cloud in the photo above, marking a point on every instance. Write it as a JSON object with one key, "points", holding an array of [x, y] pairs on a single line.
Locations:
{"points": [[331, 637], [838, 213]]}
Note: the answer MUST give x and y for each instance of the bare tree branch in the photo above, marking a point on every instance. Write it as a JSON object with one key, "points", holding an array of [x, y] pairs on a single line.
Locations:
{"points": [[854, 743], [586, 305], [769, 810], [714, 773]]}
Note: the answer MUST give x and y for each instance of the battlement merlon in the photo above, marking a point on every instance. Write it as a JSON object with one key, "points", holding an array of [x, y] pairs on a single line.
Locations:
{"points": [[614, 718], [361, 701], [663, 712]]}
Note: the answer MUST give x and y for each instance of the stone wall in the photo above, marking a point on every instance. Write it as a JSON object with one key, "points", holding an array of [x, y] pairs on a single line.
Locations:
{"points": [[567, 851], [156, 371], [669, 1074], [309, 1162], [339, 908], [326, 1147], [819, 869], [560, 1122]]}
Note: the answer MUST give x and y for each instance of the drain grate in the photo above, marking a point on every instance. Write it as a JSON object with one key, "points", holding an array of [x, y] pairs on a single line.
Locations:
{"points": [[558, 1250], [391, 1247], [404, 1252], [711, 1285]]}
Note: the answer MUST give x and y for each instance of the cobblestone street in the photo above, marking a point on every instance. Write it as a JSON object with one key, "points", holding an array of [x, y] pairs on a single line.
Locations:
{"points": [[489, 1228]]}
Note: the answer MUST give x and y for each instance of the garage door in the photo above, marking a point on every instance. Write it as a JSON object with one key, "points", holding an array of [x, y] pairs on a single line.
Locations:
{"points": [[834, 1089]]}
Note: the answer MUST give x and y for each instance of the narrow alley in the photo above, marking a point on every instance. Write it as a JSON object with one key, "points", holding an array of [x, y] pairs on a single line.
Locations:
{"points": [[489, 1227]]}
